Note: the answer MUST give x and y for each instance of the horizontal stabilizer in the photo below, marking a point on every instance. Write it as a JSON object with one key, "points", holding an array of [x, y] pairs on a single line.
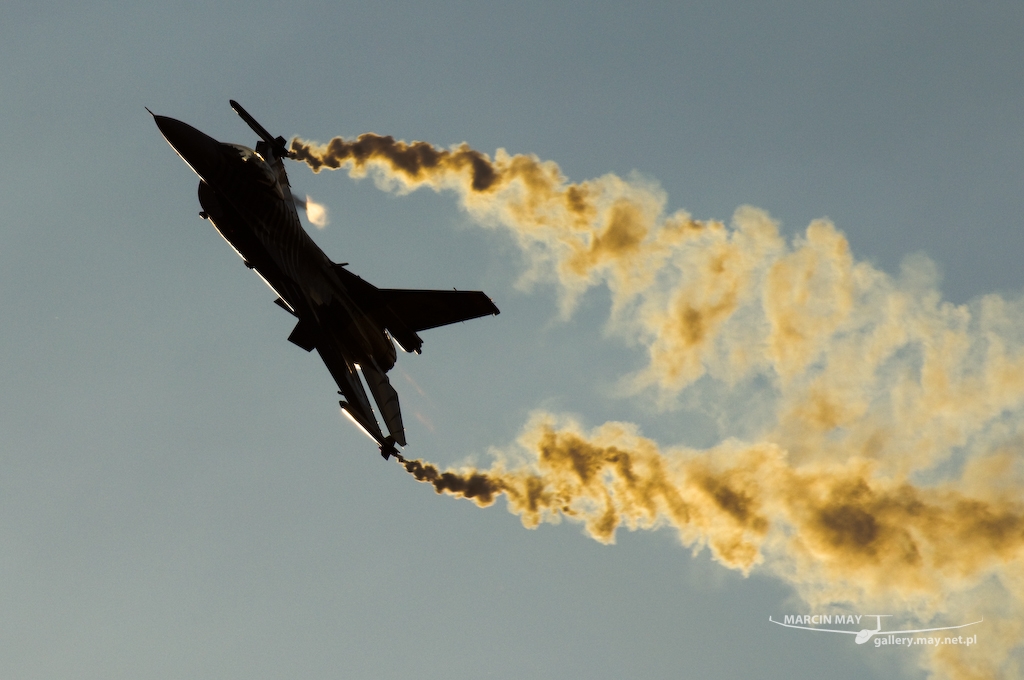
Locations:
{"points": [[360, 419], [355, 405]]}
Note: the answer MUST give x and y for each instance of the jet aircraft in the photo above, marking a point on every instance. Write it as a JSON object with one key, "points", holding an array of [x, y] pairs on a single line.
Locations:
{"points": [[352, 324]]}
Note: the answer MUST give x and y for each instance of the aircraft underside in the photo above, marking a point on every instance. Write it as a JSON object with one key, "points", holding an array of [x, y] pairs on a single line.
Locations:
{"points": [[350, 322]]}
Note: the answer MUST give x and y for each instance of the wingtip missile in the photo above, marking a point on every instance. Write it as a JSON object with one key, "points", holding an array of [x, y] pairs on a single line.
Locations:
{"points": [[278, 144]]}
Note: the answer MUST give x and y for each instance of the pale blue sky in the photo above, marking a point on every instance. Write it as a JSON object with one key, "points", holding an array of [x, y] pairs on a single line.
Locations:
{"points": [[179, 496]]}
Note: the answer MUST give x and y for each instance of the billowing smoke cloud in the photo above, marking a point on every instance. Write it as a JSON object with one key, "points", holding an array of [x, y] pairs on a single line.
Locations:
{"points": [[838, 532], [886, 469]]}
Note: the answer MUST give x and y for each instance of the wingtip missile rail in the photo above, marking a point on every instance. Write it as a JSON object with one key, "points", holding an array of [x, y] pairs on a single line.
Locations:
{"points": [[278, 144]]}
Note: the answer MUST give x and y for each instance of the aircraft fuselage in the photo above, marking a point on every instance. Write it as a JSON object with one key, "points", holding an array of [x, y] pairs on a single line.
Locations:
{"points": [[246, 195], [251, 206]]}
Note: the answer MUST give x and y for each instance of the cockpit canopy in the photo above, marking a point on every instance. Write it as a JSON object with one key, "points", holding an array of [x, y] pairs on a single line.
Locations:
{"points": [[253, 160]]}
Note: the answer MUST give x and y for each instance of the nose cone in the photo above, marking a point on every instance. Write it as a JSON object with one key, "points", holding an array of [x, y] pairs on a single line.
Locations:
{"points": [[201, 151]]}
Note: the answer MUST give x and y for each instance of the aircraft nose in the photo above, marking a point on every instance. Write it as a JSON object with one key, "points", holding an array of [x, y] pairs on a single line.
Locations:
{"points": [[201, 151]]}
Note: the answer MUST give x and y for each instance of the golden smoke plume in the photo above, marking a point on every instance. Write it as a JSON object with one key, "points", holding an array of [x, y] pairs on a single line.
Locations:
{"points": [[881, 466]]}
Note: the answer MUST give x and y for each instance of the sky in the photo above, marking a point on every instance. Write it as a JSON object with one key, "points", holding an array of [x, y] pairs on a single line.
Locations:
{"points": [[181, 497]]}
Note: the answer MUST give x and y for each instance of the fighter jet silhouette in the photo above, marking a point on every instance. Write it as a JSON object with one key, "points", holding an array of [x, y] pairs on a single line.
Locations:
{"points": [[245, 194]]}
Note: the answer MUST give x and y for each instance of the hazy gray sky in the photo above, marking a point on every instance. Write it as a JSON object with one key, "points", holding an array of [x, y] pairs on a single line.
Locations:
{"points": [[179, 495]]}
